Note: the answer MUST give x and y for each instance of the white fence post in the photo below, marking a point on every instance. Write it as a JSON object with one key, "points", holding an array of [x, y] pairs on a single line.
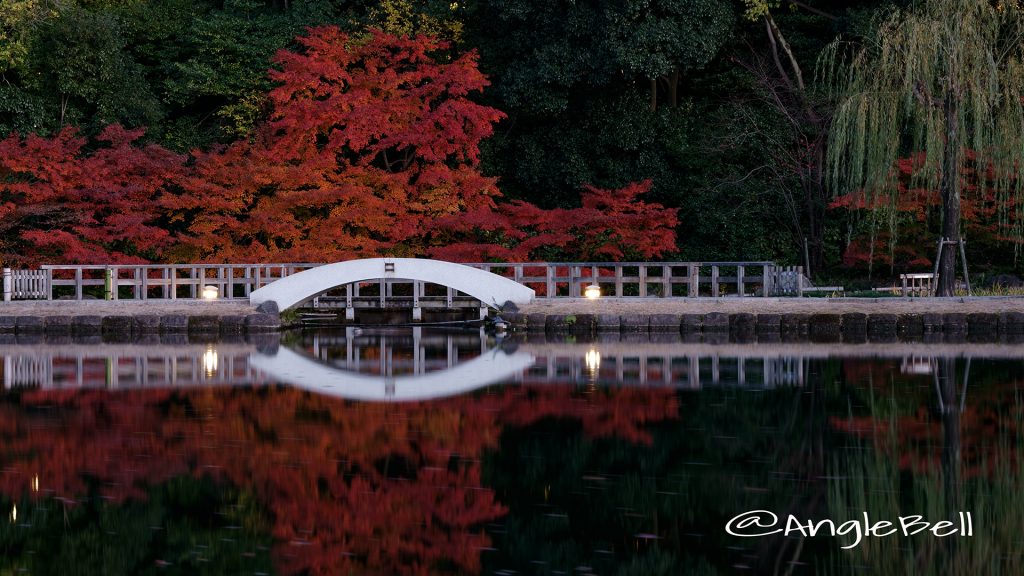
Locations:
{"points": [[8, 284]]}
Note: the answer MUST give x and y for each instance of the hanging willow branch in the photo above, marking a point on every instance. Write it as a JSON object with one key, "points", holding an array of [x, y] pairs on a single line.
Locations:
{"points": [[938, 80]]}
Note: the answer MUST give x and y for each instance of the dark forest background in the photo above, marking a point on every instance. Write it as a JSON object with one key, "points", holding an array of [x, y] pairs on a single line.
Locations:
{"points": [[716, 102]]}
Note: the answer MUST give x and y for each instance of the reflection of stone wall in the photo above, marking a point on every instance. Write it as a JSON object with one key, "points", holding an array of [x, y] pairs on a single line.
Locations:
{"points": [[852, 327]]}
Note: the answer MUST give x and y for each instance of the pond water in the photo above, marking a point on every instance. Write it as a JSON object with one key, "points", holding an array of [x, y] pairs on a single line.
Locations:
{"points": [[410, 451]]}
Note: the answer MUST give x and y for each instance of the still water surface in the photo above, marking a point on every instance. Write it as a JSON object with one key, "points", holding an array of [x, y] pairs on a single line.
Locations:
{"points": [[428, 452]]}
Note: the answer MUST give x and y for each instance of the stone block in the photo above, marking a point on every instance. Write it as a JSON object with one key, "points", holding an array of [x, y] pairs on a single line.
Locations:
{"points": [[691, 322], [207, 324], [29, 324], [146, 324], [634, 323], [769, 323], [262, 323], [607, 323], [716, 322], [954, 322], [1011, 323], [232, 324], [536, 322], [665, 323], [173, 324], [86, 325], [57, 325]]}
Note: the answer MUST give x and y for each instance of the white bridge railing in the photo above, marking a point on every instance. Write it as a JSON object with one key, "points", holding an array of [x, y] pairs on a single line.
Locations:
{"points": [[548, 279]]}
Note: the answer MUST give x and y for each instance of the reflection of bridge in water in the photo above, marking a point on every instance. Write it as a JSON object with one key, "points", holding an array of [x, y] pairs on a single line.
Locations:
{"points": [[414, 364], [405, 354]]}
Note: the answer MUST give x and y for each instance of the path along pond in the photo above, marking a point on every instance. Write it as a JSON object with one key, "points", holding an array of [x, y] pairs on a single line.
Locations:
{"points": [[412, 451]]}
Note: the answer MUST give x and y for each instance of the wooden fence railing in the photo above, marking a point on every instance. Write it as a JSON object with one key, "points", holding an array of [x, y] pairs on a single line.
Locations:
{"points": [[548, 279]]}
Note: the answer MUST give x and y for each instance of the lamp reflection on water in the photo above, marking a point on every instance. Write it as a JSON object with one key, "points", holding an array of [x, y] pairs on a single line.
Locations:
{"points": [[35, 483], [14, 514], [210, 361], [592, 359]]}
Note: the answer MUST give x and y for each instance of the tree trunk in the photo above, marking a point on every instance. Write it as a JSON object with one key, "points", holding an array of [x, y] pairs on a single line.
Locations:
{"points": [[950, 192], [816, 206], [654, 94], [673, 87]]}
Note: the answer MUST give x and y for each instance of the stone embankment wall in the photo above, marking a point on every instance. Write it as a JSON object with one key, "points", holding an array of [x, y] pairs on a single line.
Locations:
{"points": [[847, 327], [125, 327]]}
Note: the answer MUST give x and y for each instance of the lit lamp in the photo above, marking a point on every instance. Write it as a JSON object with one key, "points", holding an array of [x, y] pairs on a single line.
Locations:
{"points": [[592, 292], [210, 292]]}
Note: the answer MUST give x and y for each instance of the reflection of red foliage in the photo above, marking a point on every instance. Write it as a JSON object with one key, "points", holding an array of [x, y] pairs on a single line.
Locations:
{"points": [[990, 414], [352, 487]]}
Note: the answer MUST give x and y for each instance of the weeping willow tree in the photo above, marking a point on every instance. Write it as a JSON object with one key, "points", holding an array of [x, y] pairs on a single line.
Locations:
{"points": [[941, 79]]}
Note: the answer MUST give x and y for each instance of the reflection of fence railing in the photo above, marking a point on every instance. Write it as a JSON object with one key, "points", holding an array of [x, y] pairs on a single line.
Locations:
{"points": [[690, 372], [125, 366], [548, 279], [436, 361]]}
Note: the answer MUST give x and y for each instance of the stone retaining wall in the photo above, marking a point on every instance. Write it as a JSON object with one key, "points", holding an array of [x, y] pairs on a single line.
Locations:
{"points": [[849, 327], [125, 327]]}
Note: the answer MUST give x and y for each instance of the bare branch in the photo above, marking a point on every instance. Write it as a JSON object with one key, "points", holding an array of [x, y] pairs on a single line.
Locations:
{"points": [[775, 51], [814, 10], [785, 48]]}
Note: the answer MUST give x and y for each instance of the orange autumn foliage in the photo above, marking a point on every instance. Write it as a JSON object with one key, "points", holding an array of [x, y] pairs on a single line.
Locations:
{"points": [[371, 148]]}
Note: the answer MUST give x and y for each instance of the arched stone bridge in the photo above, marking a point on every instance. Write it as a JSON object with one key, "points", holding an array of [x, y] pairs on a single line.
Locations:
{"points": [[490, 289]]}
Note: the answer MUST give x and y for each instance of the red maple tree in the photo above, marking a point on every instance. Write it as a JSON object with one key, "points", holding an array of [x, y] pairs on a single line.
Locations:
{"points": [[369, 142], [610, 225], [987, 220], [63, 202], [371, 148]]}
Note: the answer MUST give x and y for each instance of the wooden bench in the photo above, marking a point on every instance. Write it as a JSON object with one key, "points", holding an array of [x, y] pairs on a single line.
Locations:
{"points": [[920, 284]]}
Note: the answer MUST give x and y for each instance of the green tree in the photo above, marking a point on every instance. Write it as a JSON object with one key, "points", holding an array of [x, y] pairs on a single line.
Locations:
{"points": [[81, 68], [661, 39], [942, 79], [438, 18], [575, 79], [17, 17], [220, 81]]}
